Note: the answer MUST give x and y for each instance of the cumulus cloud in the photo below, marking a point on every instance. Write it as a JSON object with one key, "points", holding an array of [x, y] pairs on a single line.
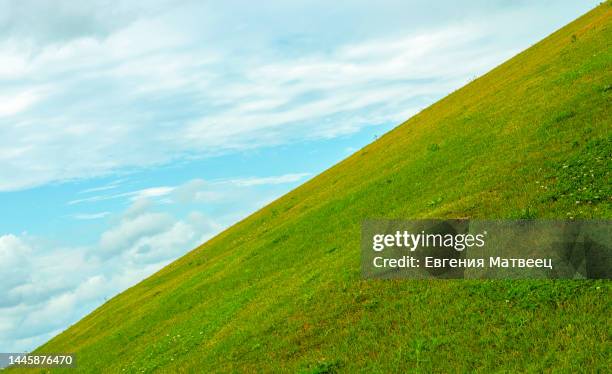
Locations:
{"points": [[44, 291], [130, 230], [14, 256], [46, 288]]}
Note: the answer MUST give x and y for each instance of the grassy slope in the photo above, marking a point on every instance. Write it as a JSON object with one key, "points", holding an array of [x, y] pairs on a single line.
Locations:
{"points": [[281, 290]]}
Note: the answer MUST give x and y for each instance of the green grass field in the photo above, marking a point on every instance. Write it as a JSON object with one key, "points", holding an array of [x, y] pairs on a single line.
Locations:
{"points": [[281, 290]]}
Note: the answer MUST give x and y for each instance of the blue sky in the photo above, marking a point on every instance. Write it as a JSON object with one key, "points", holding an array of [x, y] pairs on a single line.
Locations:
{"points": [[130, 133]]}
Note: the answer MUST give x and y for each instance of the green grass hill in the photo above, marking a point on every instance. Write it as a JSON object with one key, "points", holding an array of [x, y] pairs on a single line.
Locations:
{"points": [[281, 290]]}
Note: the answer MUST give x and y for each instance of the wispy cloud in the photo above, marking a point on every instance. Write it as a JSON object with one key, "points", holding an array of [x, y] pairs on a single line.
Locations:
{"points": [[12, 105], [255, 181], [195, 186], [144, 193], [101, 95], [110, 186], [90, 216], [96, 198], [150, 192]]}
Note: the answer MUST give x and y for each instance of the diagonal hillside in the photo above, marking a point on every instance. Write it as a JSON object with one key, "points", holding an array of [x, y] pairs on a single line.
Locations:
{"points": [[281, 290]]}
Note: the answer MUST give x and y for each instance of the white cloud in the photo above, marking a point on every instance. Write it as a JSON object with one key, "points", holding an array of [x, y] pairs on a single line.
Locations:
{"points": [[13, 104], [193, 190], [220, 190], [151, 192], [47, 288], [162, 245], [90, 216], [46, 292], [106, 187], [117, 99], [144, 193], [130, 230], [256, 181], [14, 256]]}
